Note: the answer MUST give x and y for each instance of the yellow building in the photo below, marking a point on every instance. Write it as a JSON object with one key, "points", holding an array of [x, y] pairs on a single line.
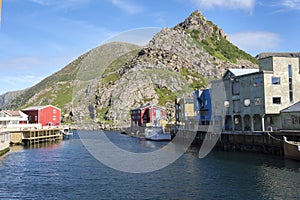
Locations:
{"points": [[184, 111]]}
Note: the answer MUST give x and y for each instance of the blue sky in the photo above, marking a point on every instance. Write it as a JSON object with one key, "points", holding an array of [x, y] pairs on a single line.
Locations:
{"points": [[39, 37]]}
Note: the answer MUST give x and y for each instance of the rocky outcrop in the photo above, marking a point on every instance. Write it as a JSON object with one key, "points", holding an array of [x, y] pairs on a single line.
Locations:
{"points": [[100, 87], [6, 99], [172, 61]]}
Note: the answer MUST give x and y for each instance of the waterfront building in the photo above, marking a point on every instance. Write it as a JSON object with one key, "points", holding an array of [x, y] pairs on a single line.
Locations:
{"points": [[290, 117], [147, 114], [45, 115], [184, 111], [252, 99], [4, 142], [10, 118], [202, 107]]}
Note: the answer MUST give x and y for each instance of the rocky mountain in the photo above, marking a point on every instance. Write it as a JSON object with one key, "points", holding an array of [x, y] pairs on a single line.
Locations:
{"points": [[6, 98], [101, 86], [176, 61]]}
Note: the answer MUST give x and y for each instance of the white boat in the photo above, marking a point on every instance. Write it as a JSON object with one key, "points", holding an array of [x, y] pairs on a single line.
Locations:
{"points": [[67, 133], [291, 149], [156, 133]]}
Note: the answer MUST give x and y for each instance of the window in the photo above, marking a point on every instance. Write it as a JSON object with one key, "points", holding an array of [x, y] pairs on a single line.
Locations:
{"points": [[236, 88], [270, 120], [54, 111], [257, 81], [290, 70], [275, 80], [226, 104], [236, 106], [54, 118], [257, 101], [276, 100], [247, 102]]}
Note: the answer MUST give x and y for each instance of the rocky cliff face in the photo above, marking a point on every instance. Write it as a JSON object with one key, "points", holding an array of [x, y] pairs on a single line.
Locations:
{"points": [[6, 99], [173, 64], [100, 87]]}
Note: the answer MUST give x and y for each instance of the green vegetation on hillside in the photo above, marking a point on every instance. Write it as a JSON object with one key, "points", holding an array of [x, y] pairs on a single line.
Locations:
{"points": [[221, 48], [111, 74], [164, 95], [200, 81]]}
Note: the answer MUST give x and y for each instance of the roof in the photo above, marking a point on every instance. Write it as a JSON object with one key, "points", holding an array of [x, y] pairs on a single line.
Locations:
{"points": [[278, 54], [12, 113], [293, 108], [240, 72], [147, 106], [38, 107]]}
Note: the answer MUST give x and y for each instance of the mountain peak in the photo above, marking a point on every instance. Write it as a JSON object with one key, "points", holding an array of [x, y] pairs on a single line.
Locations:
{"points": [[196, 23]]}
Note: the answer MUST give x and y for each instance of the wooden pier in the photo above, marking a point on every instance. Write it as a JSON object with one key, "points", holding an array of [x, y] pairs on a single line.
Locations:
{"points": [[41, 135], [34, 134]]}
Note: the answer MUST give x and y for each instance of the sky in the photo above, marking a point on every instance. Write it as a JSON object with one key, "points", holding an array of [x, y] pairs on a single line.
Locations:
{"points": [[40, 37]]}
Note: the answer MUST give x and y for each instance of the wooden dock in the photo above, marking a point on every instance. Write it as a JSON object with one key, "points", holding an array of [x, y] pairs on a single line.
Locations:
{"points": [[35, 134], [41, 135]]}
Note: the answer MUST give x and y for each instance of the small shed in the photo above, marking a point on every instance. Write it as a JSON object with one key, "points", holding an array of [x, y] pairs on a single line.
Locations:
{"points": [[290, 117], [45, 115], [147, 114]]}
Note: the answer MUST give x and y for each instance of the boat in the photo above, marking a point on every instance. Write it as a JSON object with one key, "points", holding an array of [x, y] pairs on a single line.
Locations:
{"points": [[156, 133], [291, 149], [67, 133]]}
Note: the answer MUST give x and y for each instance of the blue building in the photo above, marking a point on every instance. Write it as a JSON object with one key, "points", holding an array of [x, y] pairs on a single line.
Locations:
{"points": [[202, 107]]}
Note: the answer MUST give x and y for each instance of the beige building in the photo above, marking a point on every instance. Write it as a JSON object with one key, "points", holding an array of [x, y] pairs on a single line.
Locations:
{"points": [[252, 99], [184, 110]]}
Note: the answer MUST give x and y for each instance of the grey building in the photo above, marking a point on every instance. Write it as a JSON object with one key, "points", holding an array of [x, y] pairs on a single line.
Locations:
{"points": [[252, 99]]}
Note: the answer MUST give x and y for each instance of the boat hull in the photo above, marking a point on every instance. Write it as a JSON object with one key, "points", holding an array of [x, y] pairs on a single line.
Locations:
{"points": [[159, 137], [291, 150], [157, 134]]}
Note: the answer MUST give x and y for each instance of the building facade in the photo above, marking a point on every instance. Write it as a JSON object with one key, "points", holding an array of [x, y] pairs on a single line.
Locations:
{"points": [[11, 118], [202, 107], [252, 99], [290, 117], [45, 115], [184, 110], [147, 114]]}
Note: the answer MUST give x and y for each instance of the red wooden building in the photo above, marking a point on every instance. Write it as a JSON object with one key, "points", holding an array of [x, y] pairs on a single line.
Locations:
{"points": [[45, 115], [147, 114]]}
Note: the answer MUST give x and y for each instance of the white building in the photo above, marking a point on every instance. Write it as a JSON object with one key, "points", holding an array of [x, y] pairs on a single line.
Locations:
{"points": [[11, 118]]}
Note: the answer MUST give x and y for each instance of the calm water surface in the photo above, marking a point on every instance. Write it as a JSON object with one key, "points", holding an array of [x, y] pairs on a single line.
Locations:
{"points": [[65, 170]]}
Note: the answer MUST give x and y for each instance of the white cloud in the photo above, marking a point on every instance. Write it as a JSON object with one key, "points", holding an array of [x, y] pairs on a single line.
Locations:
{"points": [[128, 6], [256, 42], [291, 4], [232, 4], [61, 4]]}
